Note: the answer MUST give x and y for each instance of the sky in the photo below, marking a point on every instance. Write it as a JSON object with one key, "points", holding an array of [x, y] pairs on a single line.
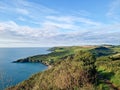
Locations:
{"points": [[46, 23]]}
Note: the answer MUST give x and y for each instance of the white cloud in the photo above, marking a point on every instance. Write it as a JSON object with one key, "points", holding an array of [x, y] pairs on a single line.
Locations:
{"points": [[73, 19], [59, 25], [65, 19], [22, 11], [21, 18], [88, 21], [114, 10], [50, 35], [32, 10], [27, 31], [31, 23], [83, 13], [1, 27]]}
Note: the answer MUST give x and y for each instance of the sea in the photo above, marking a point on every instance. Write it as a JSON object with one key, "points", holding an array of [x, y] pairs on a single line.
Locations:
{"points": [[14, 73]]}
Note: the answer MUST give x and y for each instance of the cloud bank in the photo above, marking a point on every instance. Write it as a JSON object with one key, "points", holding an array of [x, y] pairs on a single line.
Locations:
{"points": [[23, 25]]}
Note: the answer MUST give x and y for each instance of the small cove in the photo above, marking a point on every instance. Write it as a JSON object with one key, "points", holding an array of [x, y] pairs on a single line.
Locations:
{"points": [[13, 73]]}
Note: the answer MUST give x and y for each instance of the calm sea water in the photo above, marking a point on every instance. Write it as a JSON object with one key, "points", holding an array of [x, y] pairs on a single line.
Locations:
{"points": [[13, 73]]}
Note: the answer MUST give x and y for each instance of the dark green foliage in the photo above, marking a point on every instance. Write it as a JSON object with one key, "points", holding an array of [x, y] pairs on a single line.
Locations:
{"points": [[89, 67], [101, 51]]}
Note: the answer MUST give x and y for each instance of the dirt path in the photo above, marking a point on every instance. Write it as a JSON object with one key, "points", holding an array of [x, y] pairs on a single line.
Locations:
{"points": [[111, 85]]}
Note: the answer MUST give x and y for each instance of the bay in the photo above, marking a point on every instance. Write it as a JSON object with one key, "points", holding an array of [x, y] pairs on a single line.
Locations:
{"points": [[13, 73]]}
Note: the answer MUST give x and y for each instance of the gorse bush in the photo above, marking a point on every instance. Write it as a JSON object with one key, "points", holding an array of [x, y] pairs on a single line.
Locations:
{"points": [[88, 63]]}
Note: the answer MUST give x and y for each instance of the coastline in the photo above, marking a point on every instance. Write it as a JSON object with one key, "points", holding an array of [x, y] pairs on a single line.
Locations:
{"points": [[27, 59]]}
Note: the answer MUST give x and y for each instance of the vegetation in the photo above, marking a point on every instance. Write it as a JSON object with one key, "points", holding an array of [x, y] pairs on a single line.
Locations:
{"points": [[76, 68], [56, 54]]}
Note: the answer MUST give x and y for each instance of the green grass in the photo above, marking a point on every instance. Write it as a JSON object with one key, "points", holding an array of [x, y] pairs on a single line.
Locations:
{"points": [[116, 48], [112, 67], [56, 54]]}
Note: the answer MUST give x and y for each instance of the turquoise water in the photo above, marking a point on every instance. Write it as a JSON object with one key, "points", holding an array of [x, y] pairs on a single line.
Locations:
{"points": [[13, 73]]}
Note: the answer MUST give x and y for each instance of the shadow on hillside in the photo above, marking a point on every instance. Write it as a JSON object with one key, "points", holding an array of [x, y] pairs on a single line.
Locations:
{"points": [[105, 75]]}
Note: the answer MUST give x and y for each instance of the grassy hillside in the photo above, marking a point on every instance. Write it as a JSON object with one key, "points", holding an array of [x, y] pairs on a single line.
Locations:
{"points": [[110, 68], [76, 68], [56, 54]]}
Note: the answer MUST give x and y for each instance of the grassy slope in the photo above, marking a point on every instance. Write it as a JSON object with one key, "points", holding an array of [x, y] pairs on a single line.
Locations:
{"points": [[108, 66]]}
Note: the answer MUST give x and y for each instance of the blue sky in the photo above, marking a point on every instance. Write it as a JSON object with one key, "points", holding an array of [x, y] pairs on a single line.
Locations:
{"points": [[41, 23]]}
